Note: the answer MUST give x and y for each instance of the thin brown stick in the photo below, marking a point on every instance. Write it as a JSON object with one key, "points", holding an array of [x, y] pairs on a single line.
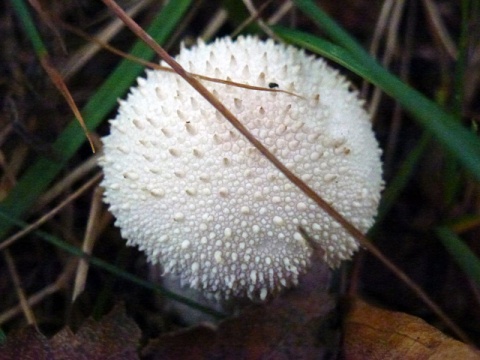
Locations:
{"points": [[91, 236], [61, 282], [216, 22], [439, 29], [58, 81], [390, 47], [357, 234], [155, 66], [381, 24], [280, 13], [27, 311], [8, 177], [86, 52], [254, 16], [404, 72], [50, 214], [66, 182]]}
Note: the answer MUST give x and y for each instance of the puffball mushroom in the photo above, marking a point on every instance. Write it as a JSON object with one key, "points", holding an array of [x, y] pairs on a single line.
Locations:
{"points": [[198, 198]]}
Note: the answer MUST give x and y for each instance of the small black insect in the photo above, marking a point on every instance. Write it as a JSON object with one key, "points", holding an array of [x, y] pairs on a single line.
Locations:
{"points": [[272, 85]]}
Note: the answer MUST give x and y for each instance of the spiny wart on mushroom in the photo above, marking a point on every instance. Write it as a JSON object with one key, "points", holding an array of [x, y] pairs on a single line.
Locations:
{"points": [[197, 197]]}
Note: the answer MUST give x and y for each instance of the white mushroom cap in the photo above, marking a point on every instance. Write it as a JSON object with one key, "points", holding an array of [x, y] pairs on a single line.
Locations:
{"points": [[197, 197]]}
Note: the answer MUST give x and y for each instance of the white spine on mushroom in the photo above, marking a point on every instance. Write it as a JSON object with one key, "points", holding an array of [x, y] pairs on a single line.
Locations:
{"points": [[197, 197]]}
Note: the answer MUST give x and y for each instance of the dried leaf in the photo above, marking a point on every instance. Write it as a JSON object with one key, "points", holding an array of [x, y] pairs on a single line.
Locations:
{"points": [[374, 333], [26, 344], [116, 336], [288, 327]]}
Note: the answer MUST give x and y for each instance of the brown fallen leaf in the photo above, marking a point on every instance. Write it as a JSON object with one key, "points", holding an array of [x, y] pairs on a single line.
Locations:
{"points": [[26, 344], [114, 337], [292, 326], [373, 333], [279, 330]]}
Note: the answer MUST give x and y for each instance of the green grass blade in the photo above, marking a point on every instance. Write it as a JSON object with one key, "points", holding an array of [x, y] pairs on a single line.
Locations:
{"points": [[336, 33], [37, 178], [463, 256], [459, 141], [112, 269], [28, 25]]}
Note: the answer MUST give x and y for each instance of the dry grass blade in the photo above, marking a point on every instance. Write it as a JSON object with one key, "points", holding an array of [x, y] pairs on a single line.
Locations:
{"points": [[391, 46], [439, 28], [218, 20], [45, 16], [62, 87], [388, 23], [280, 13], [406, 57], [155, 66], [472, 77], [83, 55], [381, 26], [61, 282], [91, 235], [51, 213], [65, 183], [27, 311], [255, 16], [8, 179]]}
